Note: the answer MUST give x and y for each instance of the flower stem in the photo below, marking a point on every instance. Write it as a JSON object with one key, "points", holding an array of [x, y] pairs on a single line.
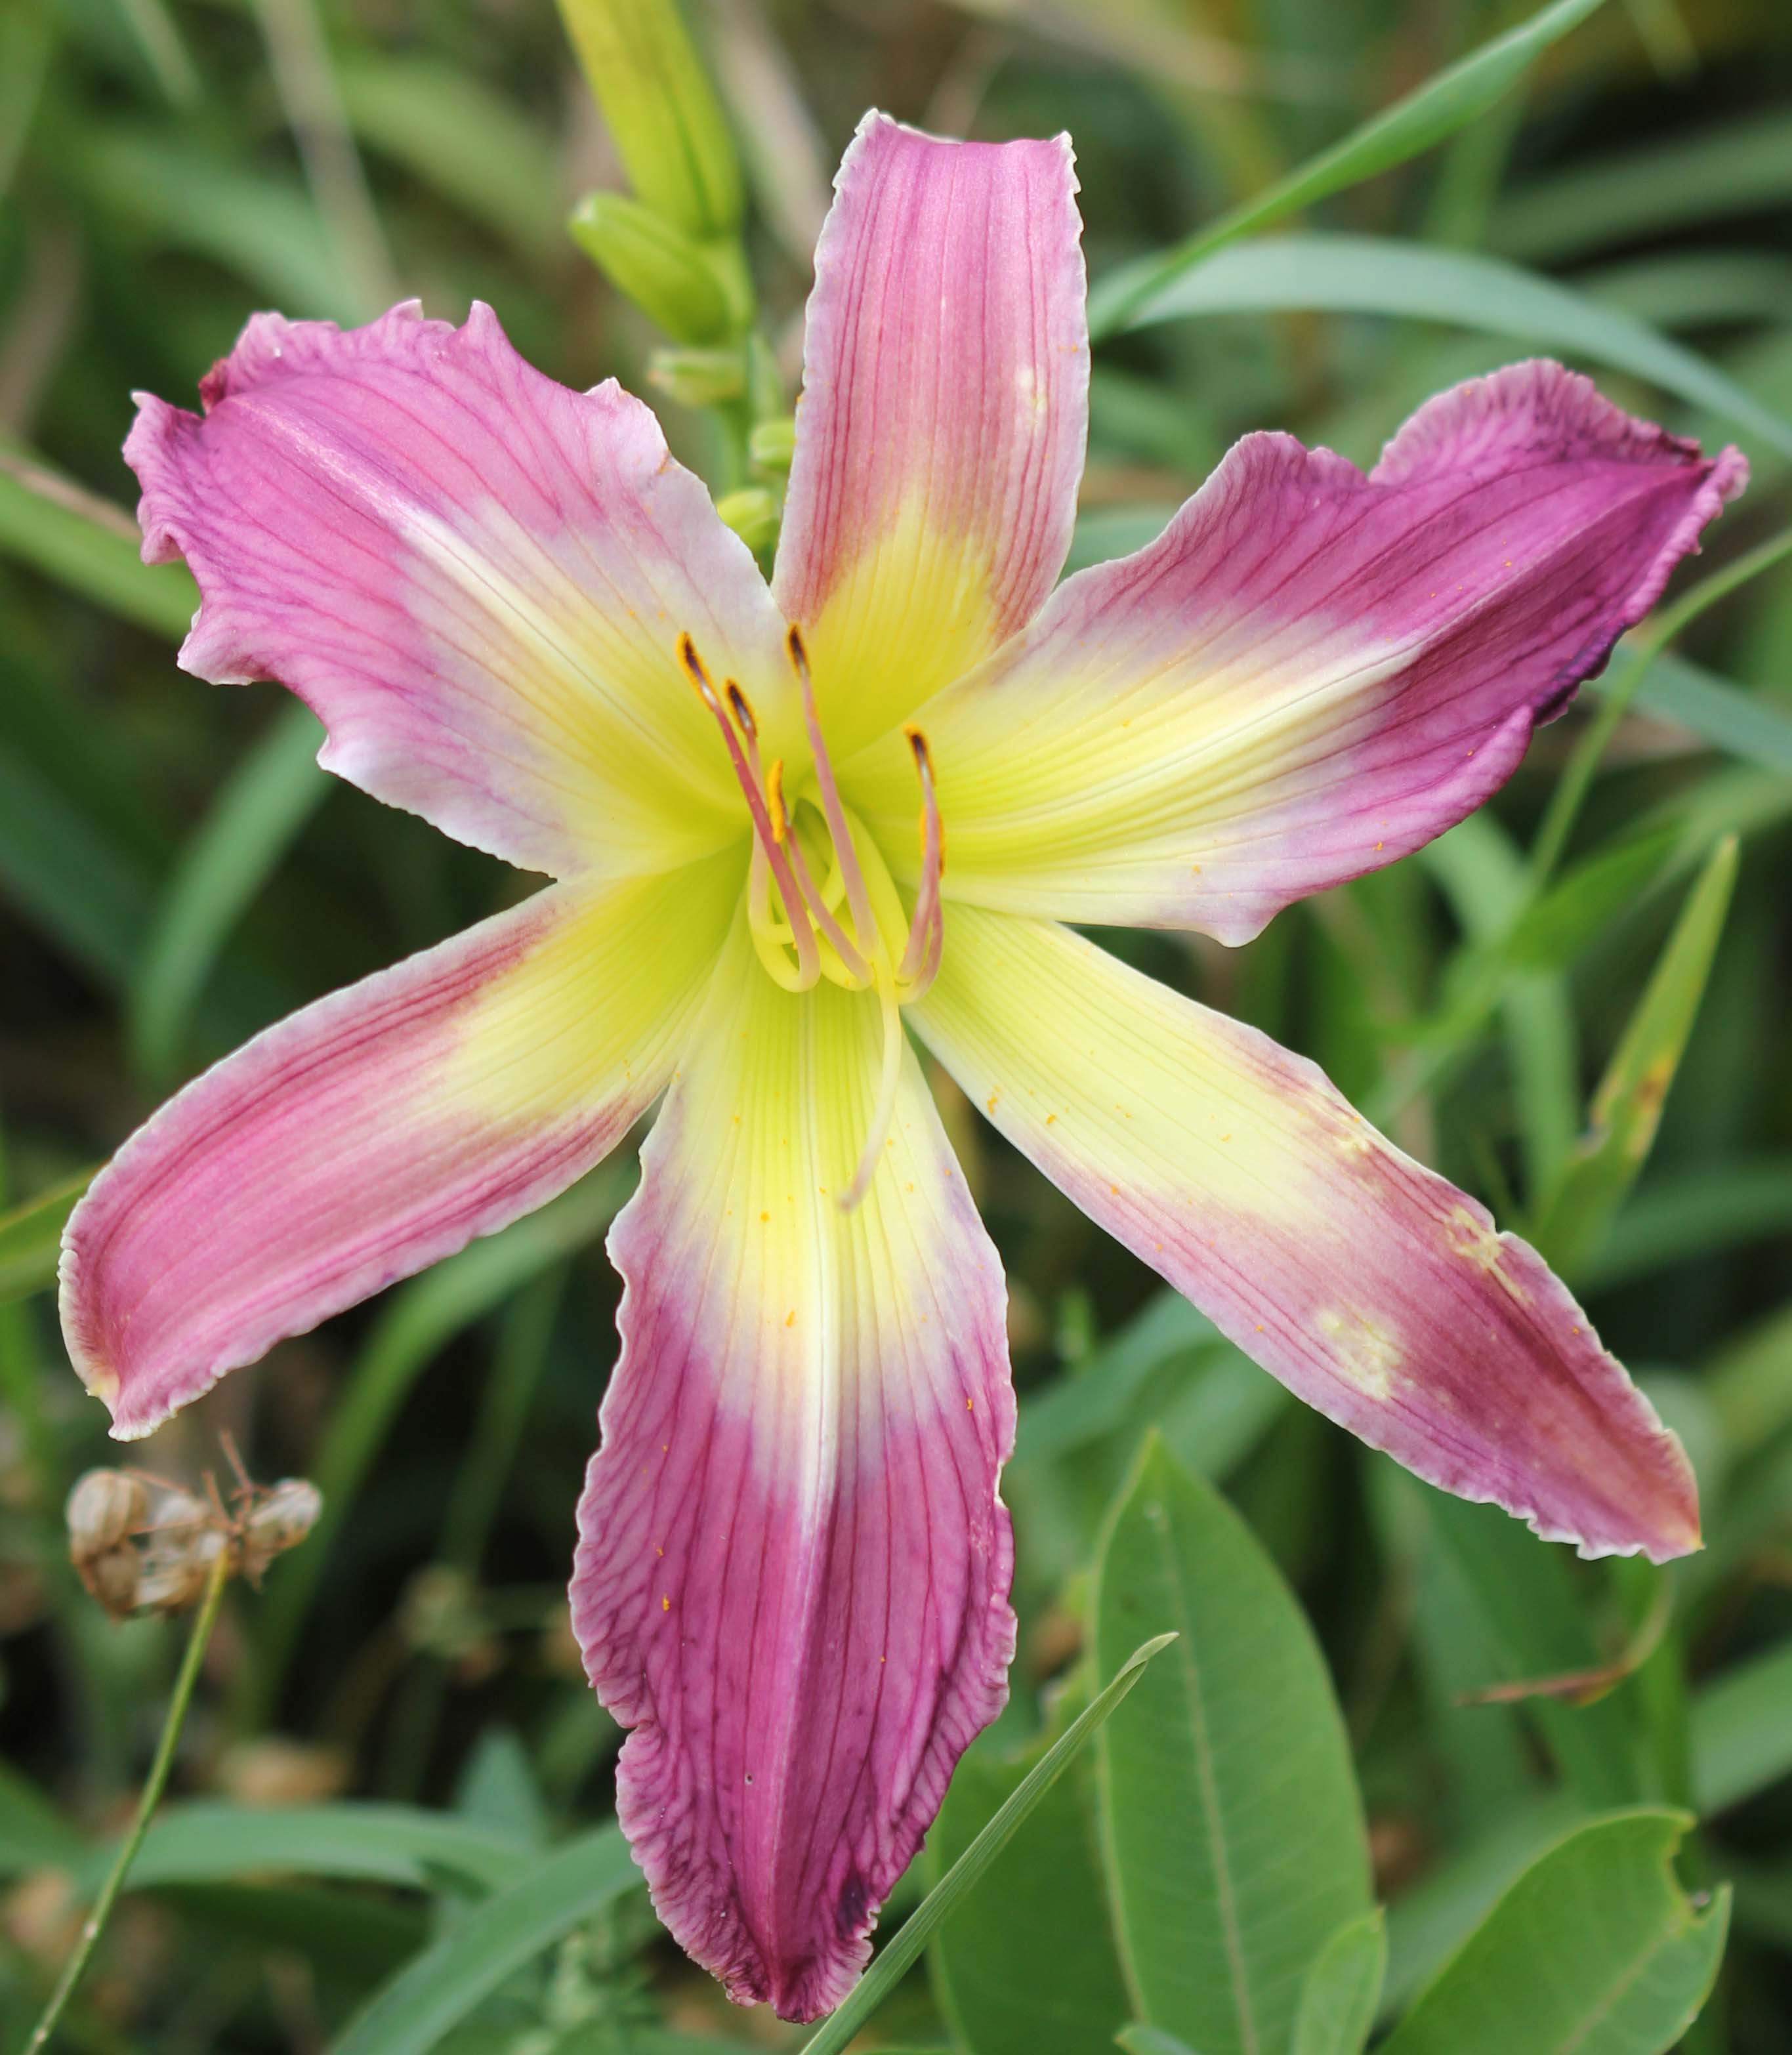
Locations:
{"points": [[151, 1796]]}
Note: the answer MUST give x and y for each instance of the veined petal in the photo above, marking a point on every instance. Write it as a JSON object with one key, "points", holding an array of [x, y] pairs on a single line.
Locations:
{"points": [[1372, 1289], [380, 1129], [475, 578], [793, 1566], [1310, 673], [944, 406]]}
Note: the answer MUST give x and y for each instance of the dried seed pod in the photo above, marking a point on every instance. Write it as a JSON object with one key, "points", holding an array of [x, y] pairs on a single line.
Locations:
{"points": [[104, 1507], [278, 1519], [174, 1574], [112, 1575]]}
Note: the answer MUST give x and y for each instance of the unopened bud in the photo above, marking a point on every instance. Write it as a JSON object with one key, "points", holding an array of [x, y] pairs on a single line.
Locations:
{"points": [[698, 377], [104, 1508], [671, 277], [752, 513], [771, 445], [662, 111]]}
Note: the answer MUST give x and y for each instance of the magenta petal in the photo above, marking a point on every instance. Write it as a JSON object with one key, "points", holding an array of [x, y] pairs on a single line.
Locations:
{"points": [[1310, 673], [475, 577], [379, 1130], [793, 1567], [1370, 1287], [944, 404]]}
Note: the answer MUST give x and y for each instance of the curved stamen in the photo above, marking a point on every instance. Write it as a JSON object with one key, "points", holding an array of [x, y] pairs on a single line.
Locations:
{"points": [[920, 959], [888, 1083], [864, 926], [803, 935], [856, 967]]}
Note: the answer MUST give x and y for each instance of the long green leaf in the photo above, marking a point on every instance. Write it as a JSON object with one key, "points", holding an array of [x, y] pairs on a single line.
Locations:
{"points": [[212, 1842], [1433, 111], [434, 1993], [903, 1950], [259, 812], [1369, 274], [1595, 1950], [1626, 1108], [1232, 1828], [31, 1237], [1745, 724], [82, 542]]}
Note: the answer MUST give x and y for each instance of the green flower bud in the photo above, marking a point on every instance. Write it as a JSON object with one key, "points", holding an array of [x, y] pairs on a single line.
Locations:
{"points": [[771, 445], [752, 513], [699, 377], [668, 125], [671, 278]]}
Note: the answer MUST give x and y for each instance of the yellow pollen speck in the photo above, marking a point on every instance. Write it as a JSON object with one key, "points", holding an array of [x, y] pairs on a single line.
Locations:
{"points": [[1378, 844], [990, 1102], [970, 1405], [659, 1552], [790, 1318], [665, 1603], [765, 1216], [1049, 1118]]}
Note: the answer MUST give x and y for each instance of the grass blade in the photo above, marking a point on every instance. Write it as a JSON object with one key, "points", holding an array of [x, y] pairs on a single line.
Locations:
{"points": [[31, 1235], [1444, 103]]}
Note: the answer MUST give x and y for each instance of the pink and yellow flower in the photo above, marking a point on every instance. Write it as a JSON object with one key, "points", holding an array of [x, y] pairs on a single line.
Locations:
{"points": [[519, 617]]}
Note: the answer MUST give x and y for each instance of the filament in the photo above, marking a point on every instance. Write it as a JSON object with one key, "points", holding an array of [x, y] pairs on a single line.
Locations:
{"points": [[865, 928], [889, 1080], [857, 968], [920, 958]]}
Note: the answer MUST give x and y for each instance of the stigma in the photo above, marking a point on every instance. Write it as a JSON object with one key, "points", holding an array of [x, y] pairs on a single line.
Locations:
{"points": [[849, 926]]}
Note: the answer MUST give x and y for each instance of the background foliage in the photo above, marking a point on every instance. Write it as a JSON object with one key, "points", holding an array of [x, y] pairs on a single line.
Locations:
{"points": [[427, 1864]]}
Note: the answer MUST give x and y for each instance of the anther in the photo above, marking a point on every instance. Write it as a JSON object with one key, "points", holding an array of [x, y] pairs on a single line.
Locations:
{"points": [[808, 956], [920, 958]]}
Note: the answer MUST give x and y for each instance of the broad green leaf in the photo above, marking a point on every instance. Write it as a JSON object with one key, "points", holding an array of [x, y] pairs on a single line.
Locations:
{"points": [[497, 1789], [1584, 904], [1433, 111], [1137, 2038], [259, 812], [1042, 1901], [1626, 1109], [1343, 1989], [1520, 1589], [1370, 274], [1595, 1950], [210, 1842], [351, 1941], [903, 1950], [1231, 1824], [1741, 166], [517, 1924], [1088, 1401], [84, 543], [417, 1321], [33, 1835], [31, 1238]]}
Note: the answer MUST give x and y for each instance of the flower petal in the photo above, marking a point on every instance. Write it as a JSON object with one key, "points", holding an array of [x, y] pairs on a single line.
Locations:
{"points": [[793, 1569], [475, 577], [380, 1129], [1373, 1289], [1310, 673], [944, 404]]}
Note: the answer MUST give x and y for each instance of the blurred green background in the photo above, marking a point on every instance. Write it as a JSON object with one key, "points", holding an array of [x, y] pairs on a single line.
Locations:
{"points": [[175, 873]]}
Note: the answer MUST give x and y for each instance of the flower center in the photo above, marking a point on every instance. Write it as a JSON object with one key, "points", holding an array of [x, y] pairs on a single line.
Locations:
{"points": [[850, 927]]}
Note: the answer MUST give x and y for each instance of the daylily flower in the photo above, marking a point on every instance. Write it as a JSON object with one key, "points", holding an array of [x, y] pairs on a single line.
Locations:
{"points": [[519, 617]]}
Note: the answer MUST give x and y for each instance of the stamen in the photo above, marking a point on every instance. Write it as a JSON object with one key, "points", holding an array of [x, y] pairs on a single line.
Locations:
{"points": [[864, 926], [803, 936], [920, 959], [855, 966], [888, 1082]]}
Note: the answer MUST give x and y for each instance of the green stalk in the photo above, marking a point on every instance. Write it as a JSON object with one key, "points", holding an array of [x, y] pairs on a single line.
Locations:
{"points": [[152, 1797]]}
